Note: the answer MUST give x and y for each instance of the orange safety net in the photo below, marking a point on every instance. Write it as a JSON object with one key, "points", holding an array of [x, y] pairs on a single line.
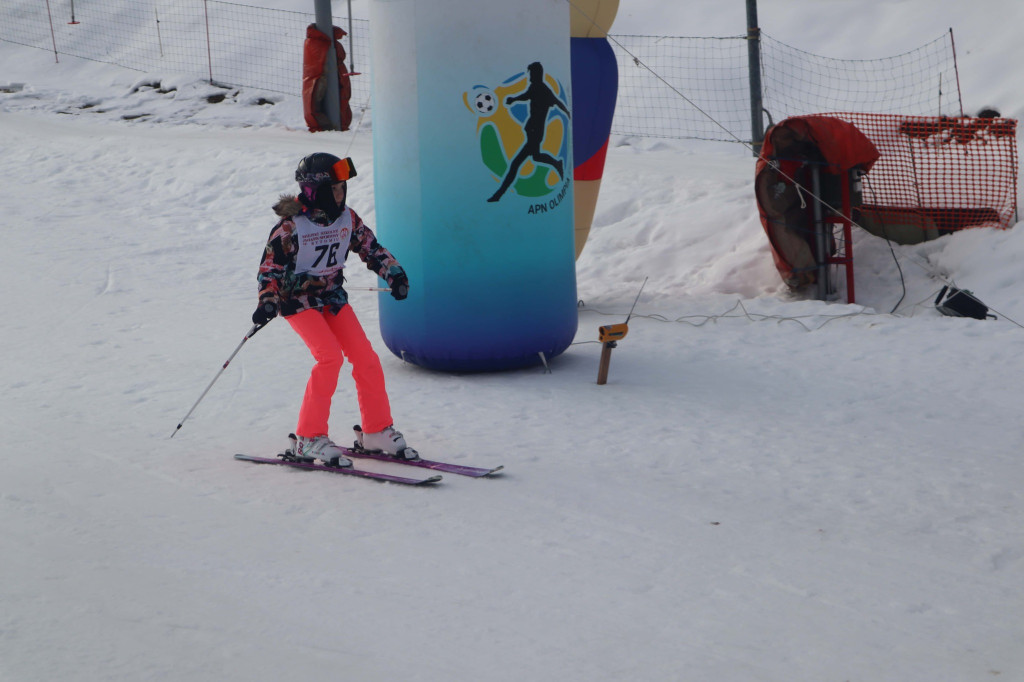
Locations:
{"points": [[940, 173]]}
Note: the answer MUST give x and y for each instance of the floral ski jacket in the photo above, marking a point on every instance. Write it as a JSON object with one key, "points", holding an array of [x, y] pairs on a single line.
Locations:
{"points": [[302, 264]]}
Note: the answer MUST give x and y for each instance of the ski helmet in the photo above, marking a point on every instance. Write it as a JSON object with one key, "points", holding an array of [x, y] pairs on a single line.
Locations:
{"points": [[316, 174], [322, 167]]}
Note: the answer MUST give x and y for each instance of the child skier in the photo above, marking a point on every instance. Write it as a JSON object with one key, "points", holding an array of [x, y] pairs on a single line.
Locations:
{"points": [[301, 279]]}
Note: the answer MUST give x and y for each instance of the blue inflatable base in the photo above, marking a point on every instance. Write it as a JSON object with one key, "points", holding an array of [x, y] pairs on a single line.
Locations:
{"points": [[468, 365]]}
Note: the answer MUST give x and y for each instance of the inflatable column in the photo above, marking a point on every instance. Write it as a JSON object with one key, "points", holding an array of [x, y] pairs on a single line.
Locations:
{"points": [[472, 175], [595, 85]]}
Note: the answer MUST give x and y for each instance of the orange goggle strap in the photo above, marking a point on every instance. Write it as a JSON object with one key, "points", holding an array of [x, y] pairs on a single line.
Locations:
{"points": [[344, 170]]}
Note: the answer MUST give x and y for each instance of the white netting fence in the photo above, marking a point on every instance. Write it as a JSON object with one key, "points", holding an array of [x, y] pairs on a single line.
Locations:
{"points": [[662, 80], [221, 41]]}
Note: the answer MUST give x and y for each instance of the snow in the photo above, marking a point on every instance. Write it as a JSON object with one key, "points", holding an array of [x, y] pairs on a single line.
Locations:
{"points": [[768, 488]]}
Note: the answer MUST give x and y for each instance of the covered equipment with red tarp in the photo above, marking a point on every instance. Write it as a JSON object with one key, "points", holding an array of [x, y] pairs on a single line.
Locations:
{"points": [[803, 157], [314, 85]]}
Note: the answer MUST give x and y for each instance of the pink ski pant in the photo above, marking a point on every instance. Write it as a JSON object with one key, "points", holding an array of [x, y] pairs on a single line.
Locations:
{"points": [[332, 338]]}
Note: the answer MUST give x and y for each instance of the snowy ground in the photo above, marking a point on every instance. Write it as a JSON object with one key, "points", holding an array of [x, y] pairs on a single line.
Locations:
{"points": [[768, 489]]}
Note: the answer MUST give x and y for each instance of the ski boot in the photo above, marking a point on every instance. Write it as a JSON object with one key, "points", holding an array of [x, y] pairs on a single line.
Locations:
{"points": [[319, 447], [389, 442]]}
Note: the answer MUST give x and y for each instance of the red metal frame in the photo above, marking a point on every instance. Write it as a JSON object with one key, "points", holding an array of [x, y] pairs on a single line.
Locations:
{"points": [[844, 219]]}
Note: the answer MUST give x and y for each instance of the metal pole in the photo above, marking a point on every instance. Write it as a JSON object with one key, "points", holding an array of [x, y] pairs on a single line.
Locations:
{"points": [[325, 24], [754, 71], [820, 236], [351, 56], [209, 50], [252, 331], [956, 70], [53, 36], [159, 40]]}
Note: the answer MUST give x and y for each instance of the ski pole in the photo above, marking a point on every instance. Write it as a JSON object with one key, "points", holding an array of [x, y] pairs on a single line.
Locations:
{"points": [[249, 335]]}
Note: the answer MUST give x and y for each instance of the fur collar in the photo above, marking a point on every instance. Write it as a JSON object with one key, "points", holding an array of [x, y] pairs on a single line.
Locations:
{"points": [[288, 206]]}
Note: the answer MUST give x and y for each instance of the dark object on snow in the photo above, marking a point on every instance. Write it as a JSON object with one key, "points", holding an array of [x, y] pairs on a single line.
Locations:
{"points": [[961, 303]]}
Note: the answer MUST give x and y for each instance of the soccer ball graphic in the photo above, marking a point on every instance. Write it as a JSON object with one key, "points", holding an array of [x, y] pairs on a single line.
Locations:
{"points": [[485, 103]]}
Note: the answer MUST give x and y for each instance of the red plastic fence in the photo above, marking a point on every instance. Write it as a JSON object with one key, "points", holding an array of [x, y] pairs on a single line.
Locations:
{"points": [[955, 172]]}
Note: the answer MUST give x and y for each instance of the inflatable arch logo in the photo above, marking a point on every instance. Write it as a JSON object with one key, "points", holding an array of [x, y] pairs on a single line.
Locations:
{"points": [[523, 131]]}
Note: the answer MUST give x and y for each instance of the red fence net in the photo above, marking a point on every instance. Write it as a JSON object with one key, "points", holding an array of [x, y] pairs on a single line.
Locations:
{"points": [[940, 173]]}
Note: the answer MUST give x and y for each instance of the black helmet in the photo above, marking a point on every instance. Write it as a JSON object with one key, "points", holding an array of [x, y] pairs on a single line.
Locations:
{"points": [[321, 168], [315, 174]]}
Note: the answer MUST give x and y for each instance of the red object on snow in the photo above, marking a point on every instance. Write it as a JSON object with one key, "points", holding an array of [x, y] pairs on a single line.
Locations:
{"points": [[793, 149], [314, 85]]}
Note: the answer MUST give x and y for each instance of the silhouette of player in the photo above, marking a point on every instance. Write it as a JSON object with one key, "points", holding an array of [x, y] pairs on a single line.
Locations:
{"points": [[541, 99]]}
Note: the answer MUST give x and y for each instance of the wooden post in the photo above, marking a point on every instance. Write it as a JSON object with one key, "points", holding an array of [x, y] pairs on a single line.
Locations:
{"points": [[606, 359]]}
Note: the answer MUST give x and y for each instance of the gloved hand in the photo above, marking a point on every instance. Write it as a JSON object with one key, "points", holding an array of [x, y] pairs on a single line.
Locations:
{"points": [[399, 286], [266, 311]]}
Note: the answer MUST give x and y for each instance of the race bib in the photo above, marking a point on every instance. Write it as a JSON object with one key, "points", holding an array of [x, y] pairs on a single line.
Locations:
{"points": [[322, 248]]}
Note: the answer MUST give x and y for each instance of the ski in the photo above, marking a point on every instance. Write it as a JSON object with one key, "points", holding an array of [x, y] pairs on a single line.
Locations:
{"points": [[446, 467], [347, 471]]}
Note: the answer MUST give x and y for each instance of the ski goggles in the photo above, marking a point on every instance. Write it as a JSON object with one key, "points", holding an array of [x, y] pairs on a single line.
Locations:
{"points": [[343, 170]]}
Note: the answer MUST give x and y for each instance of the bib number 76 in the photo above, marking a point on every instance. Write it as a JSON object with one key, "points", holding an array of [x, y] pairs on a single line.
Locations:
{"points": [[328, 251]]}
